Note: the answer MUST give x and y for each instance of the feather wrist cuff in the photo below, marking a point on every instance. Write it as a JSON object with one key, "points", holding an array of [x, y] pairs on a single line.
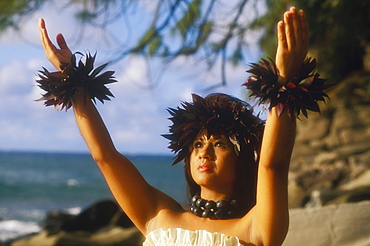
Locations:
{"points": [[300, 94], [61, 86]]}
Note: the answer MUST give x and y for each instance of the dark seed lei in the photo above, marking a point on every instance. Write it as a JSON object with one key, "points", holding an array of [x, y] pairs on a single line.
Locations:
{"points": [[221, 209]]}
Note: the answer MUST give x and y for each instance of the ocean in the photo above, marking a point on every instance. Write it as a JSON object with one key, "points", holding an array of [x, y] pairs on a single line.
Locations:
{"points": [[31, 184]]}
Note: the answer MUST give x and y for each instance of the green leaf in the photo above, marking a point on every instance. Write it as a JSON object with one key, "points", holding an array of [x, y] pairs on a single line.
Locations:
{"points": [[154, 46], [145, 39], [85, 15], [236, 57], [187, 22]]}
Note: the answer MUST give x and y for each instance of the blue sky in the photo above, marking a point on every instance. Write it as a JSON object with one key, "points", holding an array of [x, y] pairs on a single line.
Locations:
{"points": [[136, 117]]}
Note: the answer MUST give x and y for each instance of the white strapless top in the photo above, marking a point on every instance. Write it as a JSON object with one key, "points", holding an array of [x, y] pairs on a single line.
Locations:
{"points": [[182, 237]]}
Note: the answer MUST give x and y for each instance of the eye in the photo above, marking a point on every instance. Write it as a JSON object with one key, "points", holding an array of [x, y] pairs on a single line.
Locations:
{"points": [[197, 144], [220, 144]]}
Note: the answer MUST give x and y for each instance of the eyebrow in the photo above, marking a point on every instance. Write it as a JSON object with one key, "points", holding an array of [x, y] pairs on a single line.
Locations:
{"points": [[214, 137]]}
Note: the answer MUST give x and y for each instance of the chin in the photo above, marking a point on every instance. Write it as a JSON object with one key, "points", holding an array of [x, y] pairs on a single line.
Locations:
{"points": [[204, 180]]}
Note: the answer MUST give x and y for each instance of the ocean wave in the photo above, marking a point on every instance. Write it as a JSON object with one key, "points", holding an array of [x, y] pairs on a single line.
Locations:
{"points": [[74, 210], [11, 229]]}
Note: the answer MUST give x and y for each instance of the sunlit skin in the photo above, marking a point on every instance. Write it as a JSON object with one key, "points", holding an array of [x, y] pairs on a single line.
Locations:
{"points": [[150, 209], [213, 165]]}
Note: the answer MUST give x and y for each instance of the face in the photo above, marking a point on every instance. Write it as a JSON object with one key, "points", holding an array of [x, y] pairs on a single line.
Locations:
{"points": [[213, 161]]}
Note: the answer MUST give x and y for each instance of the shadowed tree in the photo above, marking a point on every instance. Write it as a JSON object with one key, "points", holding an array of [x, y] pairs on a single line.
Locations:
{"points": [[215, 31], [12, 12], [339, 32]]}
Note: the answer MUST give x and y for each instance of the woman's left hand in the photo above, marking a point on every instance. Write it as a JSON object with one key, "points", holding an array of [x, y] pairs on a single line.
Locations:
{"points": [[56, 56], [292, 43]]}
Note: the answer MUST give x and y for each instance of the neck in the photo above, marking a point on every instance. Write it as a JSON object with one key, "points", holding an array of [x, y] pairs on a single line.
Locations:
{"points": [[214, 195]]}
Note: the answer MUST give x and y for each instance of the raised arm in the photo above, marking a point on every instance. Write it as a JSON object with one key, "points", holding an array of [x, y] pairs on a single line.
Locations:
{"points": [[137, 198], [140, 201], [271, 219]]}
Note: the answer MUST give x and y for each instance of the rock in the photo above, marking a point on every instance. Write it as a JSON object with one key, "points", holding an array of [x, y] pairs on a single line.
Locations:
{"points": [[362, 159], [321, 178], [55, 219], [103, 223], [332, 150], [296, 195], [337, 225], [361, 147], [99, 215], [325, 158], [112, 236], [353, 195], [362, 181], [308, 132]]}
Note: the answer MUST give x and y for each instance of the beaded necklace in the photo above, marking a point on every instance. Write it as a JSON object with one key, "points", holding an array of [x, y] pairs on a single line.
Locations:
{"points": [[221, 209]]}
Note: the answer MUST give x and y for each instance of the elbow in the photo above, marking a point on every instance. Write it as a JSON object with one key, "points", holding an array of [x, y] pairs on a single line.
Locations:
{"points": [[277, 166], [101, 157], [98, 158], [278, 161]]}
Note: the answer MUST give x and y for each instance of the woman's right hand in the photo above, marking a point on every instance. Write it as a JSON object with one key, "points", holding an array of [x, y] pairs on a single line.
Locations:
{"points": [[292, 43], [56, 56]]}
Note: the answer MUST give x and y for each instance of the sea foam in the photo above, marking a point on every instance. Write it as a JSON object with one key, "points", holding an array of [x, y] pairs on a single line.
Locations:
{"points": [[11, 229]]}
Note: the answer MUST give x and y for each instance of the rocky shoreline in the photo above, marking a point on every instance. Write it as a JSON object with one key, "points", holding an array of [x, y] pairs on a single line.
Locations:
{"points": [[104, 224]]}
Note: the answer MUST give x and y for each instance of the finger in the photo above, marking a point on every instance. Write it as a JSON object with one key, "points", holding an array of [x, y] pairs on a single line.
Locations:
{"points": [[45, 40], [296, 26], [61, 41], [42, 31], [41, 23], [289, 31], [304, 25], [281, 35]]}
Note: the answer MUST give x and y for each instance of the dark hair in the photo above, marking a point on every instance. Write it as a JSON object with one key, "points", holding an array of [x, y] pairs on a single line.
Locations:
{"points": [[220, 114]]}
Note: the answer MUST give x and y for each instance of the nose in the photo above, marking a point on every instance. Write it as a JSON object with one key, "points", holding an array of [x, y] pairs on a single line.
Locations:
{"points": [[207, 152]]}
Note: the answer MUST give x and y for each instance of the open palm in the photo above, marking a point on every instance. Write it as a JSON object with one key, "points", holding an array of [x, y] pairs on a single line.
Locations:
{"points": [[292, 43]]}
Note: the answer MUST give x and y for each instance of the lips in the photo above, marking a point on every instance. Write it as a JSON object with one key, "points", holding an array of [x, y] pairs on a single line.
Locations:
{"points": [[205, 167]]}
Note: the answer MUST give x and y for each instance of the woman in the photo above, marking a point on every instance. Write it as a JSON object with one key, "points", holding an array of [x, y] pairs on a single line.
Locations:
{"points": [[212, 157]]}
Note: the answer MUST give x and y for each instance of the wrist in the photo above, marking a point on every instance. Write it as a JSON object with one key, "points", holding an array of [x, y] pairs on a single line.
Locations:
{"points": [[296, 95], [74, 79], [282, 80]]}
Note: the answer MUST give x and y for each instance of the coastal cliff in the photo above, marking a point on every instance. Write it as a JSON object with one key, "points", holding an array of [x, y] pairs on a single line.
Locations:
{"points": [[331, 157]]}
